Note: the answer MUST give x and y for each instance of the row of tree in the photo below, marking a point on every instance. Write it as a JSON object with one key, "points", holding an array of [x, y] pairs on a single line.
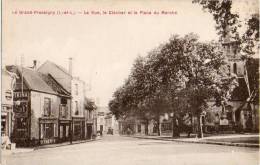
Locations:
{"points": [[183, 74], [179, 76]]}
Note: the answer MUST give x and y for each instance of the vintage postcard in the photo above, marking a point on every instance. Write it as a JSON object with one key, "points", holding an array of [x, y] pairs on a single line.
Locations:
{"points": [[132, 82]]}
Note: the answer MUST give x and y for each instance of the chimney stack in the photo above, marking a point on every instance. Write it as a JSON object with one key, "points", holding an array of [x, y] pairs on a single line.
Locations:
{"points": [[34, 64], [70, 66]]}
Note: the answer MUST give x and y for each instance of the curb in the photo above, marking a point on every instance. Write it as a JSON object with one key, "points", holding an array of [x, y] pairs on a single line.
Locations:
{"points": [[202, 142], [63, 144]]}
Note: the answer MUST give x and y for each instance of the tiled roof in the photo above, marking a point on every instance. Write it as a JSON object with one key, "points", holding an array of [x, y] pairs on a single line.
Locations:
{"points": [[54, 85], [57, 66], [35, 81], [59, 73]]}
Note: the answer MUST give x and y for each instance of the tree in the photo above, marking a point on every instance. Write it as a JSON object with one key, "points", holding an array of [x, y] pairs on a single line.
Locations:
{"points": [[227, 23], [208, 77], [180, 69]]}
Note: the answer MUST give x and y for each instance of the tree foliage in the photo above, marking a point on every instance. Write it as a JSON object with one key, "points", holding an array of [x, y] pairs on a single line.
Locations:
{"points": [[180, 69]]}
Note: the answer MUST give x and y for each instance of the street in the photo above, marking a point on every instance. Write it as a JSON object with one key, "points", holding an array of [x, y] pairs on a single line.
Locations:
{"points": [[119, 150]]}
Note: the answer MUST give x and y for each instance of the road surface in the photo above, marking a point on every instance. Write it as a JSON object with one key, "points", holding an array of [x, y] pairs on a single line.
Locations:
{"points": [[116, 150]]}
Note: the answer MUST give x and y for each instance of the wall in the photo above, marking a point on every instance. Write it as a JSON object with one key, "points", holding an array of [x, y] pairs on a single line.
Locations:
{"points": [[37, 104], [79, 96], [6, 86]]}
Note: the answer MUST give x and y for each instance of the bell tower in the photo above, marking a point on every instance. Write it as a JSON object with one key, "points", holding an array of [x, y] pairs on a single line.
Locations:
{"points": [[231, 50]]}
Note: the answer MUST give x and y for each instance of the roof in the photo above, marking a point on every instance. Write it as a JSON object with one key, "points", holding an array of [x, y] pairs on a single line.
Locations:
{"points": [[40, 82], [240, 93], [57, 66], [34, 80], [59, 73], [54, 85]]}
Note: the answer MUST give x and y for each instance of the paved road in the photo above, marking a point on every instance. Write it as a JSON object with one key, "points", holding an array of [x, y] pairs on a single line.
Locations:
{"points": [[130, 151]]}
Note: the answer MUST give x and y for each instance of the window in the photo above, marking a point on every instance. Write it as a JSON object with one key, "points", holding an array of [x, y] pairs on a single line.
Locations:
{"points": [[235, 68], [47, 107], [76, 89], [63, 111], [47, 130], [76, 108]]}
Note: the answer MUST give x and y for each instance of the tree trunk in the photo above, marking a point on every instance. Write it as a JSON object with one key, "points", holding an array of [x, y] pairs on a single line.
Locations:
{"points": [[146, 127], [200, 130], [159, 127]]}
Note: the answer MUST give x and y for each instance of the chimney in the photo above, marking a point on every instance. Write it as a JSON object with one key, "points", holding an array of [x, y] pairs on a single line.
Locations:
{"points": [[70, 66], [34, 64]]}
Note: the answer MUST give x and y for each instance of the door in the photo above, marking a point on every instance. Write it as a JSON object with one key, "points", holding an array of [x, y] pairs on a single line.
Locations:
{"points": [[89, 131], [101, 129]]}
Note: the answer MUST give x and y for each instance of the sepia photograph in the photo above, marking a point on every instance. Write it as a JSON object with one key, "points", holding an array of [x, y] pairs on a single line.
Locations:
{"points": [[130, 82]]}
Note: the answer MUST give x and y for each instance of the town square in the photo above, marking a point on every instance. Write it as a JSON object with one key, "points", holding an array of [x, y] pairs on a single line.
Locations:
{"points": [[134, 82]]}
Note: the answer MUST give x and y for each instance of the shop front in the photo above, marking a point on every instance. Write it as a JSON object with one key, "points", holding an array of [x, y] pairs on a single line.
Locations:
{"points": [[78, 125], [64, 130], [48, 130], [21, 132]]}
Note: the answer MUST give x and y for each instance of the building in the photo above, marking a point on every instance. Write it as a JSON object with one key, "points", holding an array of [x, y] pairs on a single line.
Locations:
{"points": [[90, 118], [111, 124], [101, 111], [8, 85], [76, 88], [106, 122], [41, 109], [242, 112]]}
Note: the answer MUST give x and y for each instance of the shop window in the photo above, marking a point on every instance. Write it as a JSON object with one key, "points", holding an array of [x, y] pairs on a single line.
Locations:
{"points": [[48, 130], [47, 107], [77, 129]]}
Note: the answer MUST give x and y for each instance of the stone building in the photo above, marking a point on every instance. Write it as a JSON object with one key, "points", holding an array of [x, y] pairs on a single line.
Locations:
{"points": [[41, 109], [76, 87]]}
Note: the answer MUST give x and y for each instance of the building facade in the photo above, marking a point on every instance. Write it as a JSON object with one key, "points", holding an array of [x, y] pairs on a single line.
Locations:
{"points": [[76, 87], [8, 84], [41, 106]]}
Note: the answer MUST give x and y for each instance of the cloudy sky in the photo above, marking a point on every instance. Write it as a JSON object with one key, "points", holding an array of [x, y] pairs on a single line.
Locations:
{"points": [[103, 46]]}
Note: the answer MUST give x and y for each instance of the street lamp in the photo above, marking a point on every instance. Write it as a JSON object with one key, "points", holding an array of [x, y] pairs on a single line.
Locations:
{"points": [[203, 114]]}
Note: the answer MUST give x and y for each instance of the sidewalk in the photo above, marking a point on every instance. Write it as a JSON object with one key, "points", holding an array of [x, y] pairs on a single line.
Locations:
{"points": [[240, 140], [25, 150]]}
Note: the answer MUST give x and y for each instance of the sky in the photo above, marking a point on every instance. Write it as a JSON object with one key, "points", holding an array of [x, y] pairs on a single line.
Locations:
{"points": [[103, 47]]}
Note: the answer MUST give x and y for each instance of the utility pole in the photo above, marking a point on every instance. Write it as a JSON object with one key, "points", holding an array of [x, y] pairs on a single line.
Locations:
{"points": [[22, 63]]}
